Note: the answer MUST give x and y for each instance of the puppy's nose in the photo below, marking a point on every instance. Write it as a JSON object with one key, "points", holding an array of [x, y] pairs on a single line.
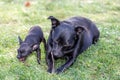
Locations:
{"points": [[18, 56]]}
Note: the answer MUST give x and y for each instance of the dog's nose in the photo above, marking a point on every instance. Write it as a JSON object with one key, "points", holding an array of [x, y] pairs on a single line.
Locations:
{"points": [[55, 53], [18, 56]]}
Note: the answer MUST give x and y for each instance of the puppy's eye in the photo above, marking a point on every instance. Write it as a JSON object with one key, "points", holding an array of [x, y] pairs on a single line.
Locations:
{"points": [[21, 51]]}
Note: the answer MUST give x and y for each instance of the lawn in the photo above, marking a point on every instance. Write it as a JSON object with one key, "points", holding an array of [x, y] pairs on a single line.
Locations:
{"points": [[99, 62]]}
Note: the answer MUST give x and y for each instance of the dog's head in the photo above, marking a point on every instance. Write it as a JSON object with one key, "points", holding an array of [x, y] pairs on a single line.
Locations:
{"points": [[64, 37], [24, 50]]}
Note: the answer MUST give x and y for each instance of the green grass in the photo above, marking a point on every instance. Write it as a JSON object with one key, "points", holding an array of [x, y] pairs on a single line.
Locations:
{"points": [[99, 62]]}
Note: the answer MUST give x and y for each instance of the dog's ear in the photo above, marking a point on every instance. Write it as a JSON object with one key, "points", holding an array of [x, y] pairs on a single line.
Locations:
{"points": [[79, 29], [20, 40], [55, 22], [34, 47]]}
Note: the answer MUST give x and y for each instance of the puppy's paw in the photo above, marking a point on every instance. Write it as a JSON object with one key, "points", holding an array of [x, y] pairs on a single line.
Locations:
{"points": [[38, 61], [49, 70]]}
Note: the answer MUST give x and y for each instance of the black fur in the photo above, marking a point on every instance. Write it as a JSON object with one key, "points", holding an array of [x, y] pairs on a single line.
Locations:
{"points": [[31, 43], [68, 39]]}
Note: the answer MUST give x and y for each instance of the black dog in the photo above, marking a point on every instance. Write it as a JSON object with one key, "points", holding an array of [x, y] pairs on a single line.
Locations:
{"points": [[68, 39], [31, 43]]}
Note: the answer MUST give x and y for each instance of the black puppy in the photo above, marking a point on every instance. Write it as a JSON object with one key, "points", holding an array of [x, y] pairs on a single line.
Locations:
{"points": [[68, 39], [31, 43]]}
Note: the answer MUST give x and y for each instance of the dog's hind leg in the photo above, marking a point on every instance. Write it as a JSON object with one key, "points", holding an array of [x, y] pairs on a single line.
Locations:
{"points": [[44, 43]]}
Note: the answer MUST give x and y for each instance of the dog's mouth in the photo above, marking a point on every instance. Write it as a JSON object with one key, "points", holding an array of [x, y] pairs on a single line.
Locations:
{"points": [[22, 59]]}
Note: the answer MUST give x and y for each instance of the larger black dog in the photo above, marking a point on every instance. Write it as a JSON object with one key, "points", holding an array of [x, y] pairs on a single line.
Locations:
{"points": [[31, 43], [68, 39]]}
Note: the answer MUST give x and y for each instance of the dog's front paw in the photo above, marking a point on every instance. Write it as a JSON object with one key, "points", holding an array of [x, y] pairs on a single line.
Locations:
{"points": [[59, 70], [38, 61]]}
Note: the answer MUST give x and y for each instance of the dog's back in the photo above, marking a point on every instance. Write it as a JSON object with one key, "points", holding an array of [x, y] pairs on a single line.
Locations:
{"points": [[91, 33], [35, 35], [86, 23]]}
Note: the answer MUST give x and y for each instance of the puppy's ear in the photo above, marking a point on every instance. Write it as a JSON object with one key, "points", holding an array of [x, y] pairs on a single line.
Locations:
{"points": [[20, 40], [35, 47], [79, 29], [55, 22]]}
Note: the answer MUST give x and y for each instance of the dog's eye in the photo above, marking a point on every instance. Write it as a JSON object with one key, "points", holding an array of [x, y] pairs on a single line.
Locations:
{"points": [[56, 41], [67, 45], [21, 51]]}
